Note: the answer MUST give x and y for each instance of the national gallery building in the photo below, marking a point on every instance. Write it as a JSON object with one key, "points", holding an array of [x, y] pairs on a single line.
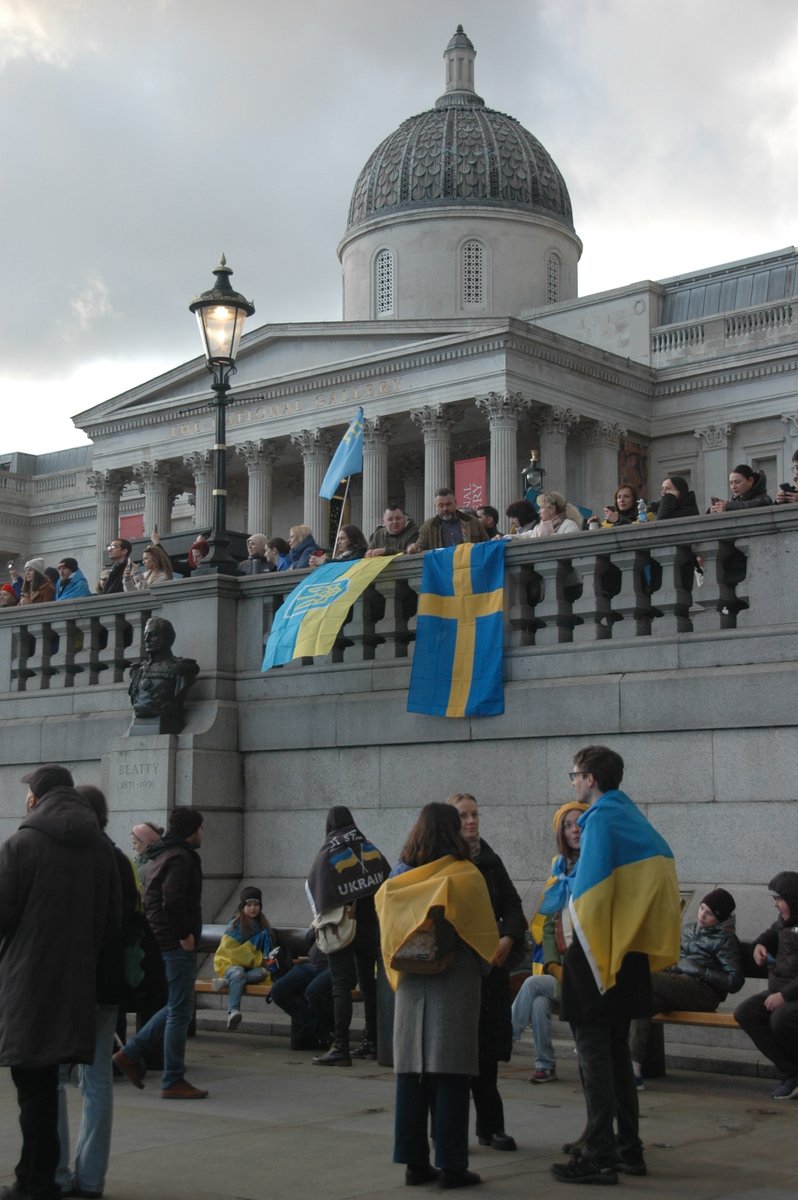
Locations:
{"points": [[464, 338]]}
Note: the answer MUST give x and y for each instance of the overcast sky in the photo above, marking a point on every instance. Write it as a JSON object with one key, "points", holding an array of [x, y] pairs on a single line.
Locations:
{"points": [[141, 139]]}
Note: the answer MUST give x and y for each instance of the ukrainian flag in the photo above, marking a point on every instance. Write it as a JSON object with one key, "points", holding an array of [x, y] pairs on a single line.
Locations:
{"points": [[624, 894], [310, 620], [348, 458], [457, 662]]}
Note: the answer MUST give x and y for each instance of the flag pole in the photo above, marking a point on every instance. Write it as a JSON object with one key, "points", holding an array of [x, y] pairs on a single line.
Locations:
{"points": [[341, 518]]}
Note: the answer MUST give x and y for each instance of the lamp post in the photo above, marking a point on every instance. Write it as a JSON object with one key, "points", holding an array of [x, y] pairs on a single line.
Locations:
{"points": [[221, 314]]}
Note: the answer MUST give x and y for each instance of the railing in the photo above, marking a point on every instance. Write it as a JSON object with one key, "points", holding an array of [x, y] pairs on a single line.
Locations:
{"points": [[613, 586], [677, 338], [696, 339], [761, 318]]}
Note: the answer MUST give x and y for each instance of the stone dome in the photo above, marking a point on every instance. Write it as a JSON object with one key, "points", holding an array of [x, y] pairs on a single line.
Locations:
{"points": [[460, 153]]}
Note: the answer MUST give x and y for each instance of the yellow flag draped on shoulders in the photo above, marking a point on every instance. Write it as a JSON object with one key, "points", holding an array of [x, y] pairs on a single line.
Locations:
{"points": [[310, 620], [624, 894], [404, 900]]}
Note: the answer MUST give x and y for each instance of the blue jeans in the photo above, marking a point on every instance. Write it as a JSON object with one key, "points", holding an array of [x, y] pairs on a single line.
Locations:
{"points": [[93, 1146], [172, 1021], [237, 979], [532, 1006]]}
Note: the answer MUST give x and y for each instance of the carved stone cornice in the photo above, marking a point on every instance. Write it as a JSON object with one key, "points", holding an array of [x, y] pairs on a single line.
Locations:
{"points": [[434, 420], [258, 454], [716, 437], [378, 431], [504, 407], [557, 420], [791, 419], [312, 441], [603, 433]]}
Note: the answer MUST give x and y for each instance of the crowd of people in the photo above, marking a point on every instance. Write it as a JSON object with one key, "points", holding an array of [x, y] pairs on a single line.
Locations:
{"points": [[551, 514]]}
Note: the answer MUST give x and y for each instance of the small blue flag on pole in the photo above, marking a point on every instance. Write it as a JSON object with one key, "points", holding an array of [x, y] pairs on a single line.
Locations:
{"points": [[347, 460]]}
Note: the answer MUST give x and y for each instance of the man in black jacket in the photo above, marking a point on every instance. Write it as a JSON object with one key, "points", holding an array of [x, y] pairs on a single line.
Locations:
{"points": [[172, 905]]}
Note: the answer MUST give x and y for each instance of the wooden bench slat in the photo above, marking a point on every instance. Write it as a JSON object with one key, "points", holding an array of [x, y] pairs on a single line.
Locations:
{"points": [[720, 1020]]}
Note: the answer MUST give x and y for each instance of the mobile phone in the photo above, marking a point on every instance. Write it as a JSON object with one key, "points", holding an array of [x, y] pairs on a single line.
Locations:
{"points": [[714, 499], [786, 487]]}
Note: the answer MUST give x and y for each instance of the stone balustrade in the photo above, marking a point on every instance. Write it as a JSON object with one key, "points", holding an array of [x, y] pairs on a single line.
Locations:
{"points": [[698, 578], [718, 334]]}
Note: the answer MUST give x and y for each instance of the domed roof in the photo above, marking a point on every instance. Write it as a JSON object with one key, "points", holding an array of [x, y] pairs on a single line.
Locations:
{"points": [[460, 153]]}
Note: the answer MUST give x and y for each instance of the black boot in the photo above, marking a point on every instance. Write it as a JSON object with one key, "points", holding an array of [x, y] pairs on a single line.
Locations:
{"points": [[337, 1056], [366, 1049]]}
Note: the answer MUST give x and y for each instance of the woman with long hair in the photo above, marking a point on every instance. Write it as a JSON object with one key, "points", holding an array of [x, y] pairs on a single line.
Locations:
{"points": [[437, 1015], [532, 1005], [156, 567], [36, 587], [246, 945]]}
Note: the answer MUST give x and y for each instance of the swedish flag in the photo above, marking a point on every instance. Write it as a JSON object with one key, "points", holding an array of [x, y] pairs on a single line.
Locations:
{"points": [[457, 662], [309, 621], [624, 895]]}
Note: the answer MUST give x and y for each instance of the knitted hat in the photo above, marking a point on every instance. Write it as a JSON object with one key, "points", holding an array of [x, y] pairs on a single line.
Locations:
{"points": [[559, 816], [35, 564], [45, 778], [146, 834], [720, 903], [250, 893], [184, 821]]}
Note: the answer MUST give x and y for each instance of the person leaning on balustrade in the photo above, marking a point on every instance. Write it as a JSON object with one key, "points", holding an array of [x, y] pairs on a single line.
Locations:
{"points": [[554, 516], [523, 517], [303, 546], [791, 495], [623, 510], [748, 489], [157, 569], [278, 553], [677, 500], [36, 587]]}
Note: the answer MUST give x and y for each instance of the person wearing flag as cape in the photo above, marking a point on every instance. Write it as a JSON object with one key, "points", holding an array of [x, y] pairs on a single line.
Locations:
{"points": [[624, 914]]}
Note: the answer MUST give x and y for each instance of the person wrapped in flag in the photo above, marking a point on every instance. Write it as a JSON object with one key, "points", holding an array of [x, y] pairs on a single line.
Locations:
{"points": [[624, 910]]}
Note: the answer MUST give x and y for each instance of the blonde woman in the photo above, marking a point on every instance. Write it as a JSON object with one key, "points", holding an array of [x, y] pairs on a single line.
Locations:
{"points": [[303, 546], [156, 567], [554, 516]]}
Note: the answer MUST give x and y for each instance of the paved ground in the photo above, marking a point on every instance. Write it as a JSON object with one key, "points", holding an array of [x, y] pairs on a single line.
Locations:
{"points": [[276, 1126]]}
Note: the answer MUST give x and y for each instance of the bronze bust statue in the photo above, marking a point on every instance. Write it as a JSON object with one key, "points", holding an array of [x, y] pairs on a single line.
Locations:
{"points": [[158, 684]]}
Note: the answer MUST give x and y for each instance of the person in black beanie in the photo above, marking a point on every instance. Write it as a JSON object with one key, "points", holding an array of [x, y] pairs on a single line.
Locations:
{"points": [[709, 968], [172, 905]]}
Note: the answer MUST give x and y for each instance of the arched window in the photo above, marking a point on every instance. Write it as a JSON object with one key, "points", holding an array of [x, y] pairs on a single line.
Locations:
{"points": [[473, 274], [553, 278], [383, 283]]}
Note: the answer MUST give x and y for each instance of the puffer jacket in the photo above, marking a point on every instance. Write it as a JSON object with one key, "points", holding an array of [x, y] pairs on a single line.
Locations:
{"points": [[173, 895], [756, 497], [781, 940], [712, 955]]}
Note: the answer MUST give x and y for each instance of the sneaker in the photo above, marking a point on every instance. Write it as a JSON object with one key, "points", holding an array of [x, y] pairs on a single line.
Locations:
{"points": [[640, 1082], [583, 1170], [218, 983], [234, 1020], [544, 1075], [787, 1089]]}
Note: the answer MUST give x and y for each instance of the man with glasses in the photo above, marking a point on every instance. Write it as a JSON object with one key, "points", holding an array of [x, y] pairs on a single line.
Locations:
{"points": [[119, 553], [624, 910], [72, 583]]}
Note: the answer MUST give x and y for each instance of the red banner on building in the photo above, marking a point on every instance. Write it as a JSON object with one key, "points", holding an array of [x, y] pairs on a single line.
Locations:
{"points": [[471, 482]]}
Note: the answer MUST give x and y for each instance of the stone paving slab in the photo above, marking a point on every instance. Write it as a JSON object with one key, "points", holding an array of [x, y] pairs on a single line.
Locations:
{"points": [[276, 1126]]}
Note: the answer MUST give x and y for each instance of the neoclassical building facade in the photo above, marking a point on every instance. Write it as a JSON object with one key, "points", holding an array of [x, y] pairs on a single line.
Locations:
{"points": [[463, 335]]}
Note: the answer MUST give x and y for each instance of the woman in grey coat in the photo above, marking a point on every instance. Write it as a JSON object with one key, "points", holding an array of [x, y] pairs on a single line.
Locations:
{"points": [[436, 1047]]}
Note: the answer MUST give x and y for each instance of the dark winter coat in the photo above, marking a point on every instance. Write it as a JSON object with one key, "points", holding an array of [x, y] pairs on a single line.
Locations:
{"points": [[111, 980], [59, 905], [394, 543], [712, 954], [581, 1003], [670, 507], [495, 1021], [756, 497], [301, 554], [173, 895], [781, 940]]}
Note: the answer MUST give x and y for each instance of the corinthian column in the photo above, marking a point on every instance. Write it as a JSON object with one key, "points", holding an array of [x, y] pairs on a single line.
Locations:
{"points": [[377, 433], [601, 441], [315, 445], [200, 464], [502, 410], [107, 487], [435, 422], [555, 425], [156, 479], [715, 445], [259, 458]]}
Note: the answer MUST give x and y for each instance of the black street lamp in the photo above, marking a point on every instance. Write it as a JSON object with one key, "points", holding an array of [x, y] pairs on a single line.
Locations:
{"points": [[532, 475], [221, 314]]}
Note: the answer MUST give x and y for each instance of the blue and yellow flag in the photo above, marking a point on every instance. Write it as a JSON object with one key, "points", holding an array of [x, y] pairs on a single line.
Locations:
{"points": [[347, 460], [311, 618], [457, 662], [624, 894]]}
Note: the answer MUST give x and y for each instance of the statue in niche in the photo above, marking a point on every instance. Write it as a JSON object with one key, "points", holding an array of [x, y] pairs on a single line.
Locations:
{"points": [[158, 684]]}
